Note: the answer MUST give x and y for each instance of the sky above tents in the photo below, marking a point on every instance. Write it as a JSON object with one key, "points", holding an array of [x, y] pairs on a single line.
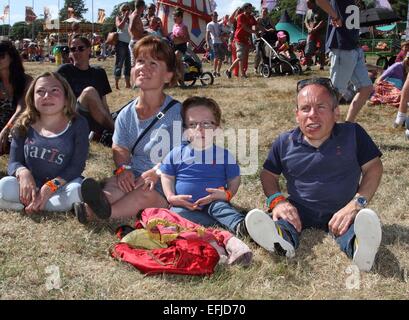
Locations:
{"points": [[17, 7]]}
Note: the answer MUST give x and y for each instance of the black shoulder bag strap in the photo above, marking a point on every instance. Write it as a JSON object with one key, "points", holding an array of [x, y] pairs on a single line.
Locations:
{"points": [[159, 116]]}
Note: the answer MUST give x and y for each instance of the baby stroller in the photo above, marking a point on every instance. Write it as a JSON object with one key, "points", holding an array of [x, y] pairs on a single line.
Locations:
{"points": [[274, 62], [193, 70]]}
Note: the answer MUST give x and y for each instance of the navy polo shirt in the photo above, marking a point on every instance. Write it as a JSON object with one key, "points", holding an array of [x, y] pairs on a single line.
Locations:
{"points": [[322, 180], [342, 38]]}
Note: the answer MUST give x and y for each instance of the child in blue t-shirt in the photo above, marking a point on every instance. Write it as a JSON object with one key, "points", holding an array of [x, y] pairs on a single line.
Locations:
{"points": [[199, 178]]}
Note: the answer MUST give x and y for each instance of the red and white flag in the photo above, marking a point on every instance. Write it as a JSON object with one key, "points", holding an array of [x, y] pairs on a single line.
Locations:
{"points": [[30, 15]]}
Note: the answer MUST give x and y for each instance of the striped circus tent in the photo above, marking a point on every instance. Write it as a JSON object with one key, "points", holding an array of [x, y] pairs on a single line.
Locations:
{"points": [[196, 16]]}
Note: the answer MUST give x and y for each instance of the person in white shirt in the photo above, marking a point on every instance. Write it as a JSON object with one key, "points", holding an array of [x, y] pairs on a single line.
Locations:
{"points": [[214, 34]]}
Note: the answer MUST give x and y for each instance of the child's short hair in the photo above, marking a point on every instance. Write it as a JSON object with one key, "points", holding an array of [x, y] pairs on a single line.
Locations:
{"points": [[197, 101]]}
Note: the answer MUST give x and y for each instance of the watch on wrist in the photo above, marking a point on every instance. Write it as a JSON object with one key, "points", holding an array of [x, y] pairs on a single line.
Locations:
{"points": [[361, 201]]}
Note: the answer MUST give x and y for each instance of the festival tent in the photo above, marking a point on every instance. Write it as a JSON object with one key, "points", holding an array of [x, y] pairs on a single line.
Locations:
{"points": [[288, 25], [196, 16]]}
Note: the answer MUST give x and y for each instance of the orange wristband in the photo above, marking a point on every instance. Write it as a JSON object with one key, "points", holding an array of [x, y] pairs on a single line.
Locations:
{"points": [[229, 195], [9, 125], [121, 169], [53, 187], [276, 201]]}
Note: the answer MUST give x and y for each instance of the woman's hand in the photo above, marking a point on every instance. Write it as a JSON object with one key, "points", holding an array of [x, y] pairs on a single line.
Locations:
{"points": [[28, 188], [39, 202], [150, 178], [126, 181]]}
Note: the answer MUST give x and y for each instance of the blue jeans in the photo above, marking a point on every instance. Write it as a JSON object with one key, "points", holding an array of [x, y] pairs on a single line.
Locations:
{"points": [[122, 59], [218, 213], [345, 242]]}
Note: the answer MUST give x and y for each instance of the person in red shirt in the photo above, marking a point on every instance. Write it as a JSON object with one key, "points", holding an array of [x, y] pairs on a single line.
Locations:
{"points": [[245, 22]]}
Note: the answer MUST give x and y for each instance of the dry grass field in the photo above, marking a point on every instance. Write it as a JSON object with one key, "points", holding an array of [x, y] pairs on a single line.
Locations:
{"points": [[31, 244]]}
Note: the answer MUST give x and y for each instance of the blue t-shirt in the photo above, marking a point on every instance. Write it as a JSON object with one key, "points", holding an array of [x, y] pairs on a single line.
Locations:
{"points": [[322, 179], [342, 38], [196, 170], [157, 143], [63, 155]]}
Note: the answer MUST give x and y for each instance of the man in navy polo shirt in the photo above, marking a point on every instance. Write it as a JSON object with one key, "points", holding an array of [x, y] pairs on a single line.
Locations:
{"points": [[332, 171], [346, 56]]}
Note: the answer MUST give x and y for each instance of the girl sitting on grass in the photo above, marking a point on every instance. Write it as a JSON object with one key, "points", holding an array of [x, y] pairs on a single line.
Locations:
{"points": [[48, 150]]}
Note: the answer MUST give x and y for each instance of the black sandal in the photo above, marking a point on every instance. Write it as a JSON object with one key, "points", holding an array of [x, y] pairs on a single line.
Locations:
{"points": [[95, 198], [80, 212]]}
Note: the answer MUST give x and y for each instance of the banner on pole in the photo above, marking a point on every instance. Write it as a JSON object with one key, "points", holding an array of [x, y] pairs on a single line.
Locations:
{"points": [[101, 16], [30, 15]]}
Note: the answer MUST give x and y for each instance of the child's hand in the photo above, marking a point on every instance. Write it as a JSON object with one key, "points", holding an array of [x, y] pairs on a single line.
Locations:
{"points": [[214, 194], [182, 200], [39, 202]]}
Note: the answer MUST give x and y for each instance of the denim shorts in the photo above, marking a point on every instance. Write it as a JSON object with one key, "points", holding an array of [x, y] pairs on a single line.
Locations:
{"points": [[219, 50], [348, 65]]}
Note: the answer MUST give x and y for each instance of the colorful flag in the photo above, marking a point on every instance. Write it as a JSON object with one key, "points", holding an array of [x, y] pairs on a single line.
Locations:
{"points": [[30, 15], [70, 12], [301, 7], [6, 13], [47, 15], [269, 4], [383, 4], [101, 16]]}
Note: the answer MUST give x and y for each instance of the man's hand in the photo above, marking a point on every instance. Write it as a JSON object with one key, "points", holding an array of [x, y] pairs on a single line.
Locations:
{"points": [[342, 219], [182, 200], [286, 211]]}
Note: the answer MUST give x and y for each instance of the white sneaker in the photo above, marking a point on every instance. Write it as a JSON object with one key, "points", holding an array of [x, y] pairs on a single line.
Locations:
{"points": [[8, 205], [368, 234], [263, 230], [407, 134]]}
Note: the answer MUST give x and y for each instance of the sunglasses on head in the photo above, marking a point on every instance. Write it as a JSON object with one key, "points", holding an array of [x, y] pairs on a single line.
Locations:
{"points": [[79, 48], [325, 82]]}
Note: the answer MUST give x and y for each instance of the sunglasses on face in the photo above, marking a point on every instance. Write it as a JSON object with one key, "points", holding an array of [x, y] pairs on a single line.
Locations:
{"points": [[325, 82], [3, 54], [79, 48]]}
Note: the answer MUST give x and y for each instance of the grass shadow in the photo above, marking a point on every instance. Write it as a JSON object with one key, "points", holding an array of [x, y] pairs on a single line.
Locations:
{"points": [[387, 264]]}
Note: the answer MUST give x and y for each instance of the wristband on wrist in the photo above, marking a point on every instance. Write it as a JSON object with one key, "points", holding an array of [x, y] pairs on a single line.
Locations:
{"points": [[9, 125], [228, 193], [54, 185], [121, 169], [277, 200], [272, 197]]}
